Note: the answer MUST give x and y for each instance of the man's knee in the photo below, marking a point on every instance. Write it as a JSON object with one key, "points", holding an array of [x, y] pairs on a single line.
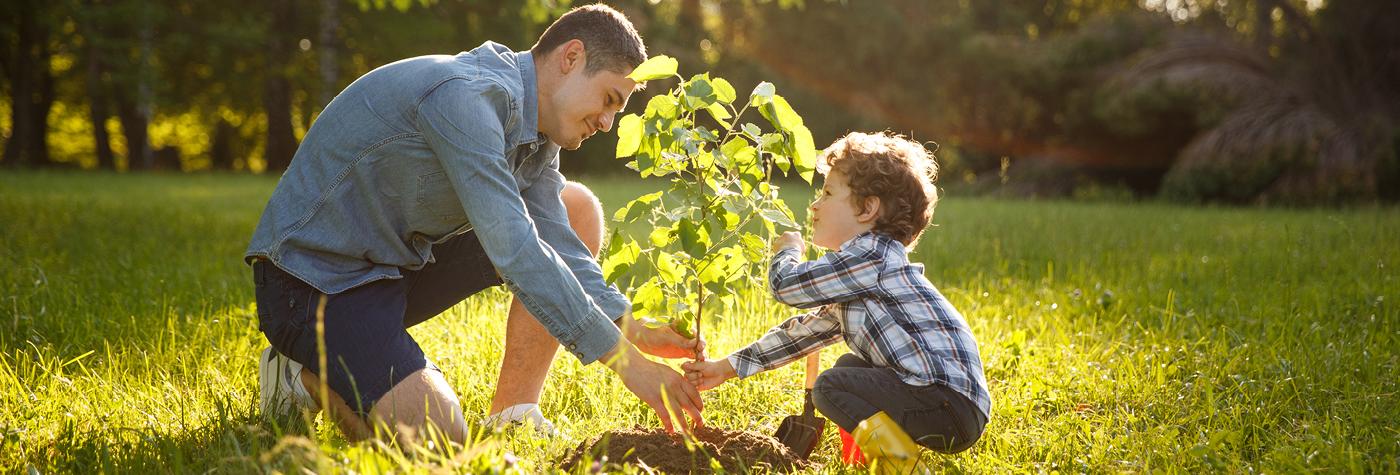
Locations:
{"points": [[422, 399], [585, 214]]}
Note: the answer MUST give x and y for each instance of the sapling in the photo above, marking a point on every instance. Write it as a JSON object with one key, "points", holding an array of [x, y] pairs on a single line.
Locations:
{"points": [[702, 244]]}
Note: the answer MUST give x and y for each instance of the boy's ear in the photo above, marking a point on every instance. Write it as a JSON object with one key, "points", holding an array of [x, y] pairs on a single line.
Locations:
{"points": [[869, 210]]}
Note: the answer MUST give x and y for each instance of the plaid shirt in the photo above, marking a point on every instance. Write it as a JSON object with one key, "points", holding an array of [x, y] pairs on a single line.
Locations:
{"points": [[889, 314]]}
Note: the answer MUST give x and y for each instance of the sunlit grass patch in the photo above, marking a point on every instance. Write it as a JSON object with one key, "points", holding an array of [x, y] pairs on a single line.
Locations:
{"points": [[1138, 337]]}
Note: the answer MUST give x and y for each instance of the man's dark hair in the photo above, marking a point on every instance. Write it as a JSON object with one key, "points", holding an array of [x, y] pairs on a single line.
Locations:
{"points": [[609, 39]]}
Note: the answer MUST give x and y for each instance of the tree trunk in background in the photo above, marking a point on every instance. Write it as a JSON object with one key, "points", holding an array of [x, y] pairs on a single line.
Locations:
{"points": [[277, 94], [21, 90], [97, 97], [329, 45], [134, 102], [144, 100], [134, 124], [221, 148], [31, 90]]}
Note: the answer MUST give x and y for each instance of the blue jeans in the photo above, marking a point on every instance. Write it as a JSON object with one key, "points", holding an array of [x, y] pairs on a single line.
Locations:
{"points": [[368, 348], [935, 416]]}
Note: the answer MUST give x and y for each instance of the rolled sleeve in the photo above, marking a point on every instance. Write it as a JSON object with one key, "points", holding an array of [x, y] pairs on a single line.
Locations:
{"points": [[546, 208], [463, 121]]}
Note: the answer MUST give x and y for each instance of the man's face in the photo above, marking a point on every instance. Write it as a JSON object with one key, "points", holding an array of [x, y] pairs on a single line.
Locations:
{"points": [[585, 104]]}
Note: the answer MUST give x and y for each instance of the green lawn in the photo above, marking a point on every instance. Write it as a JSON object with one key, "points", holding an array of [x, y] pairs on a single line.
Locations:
{"points": [[1116, 337]]}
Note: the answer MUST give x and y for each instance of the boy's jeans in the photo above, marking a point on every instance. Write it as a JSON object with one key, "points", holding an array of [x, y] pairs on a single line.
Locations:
{"points": [[935, 416]]}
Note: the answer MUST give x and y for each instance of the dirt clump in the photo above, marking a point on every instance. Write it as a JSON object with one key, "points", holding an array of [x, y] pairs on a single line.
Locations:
{"points": [[736, 451]]}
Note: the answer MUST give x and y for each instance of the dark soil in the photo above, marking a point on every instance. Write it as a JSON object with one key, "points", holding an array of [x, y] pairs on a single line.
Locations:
{"points": [[736, 451]]}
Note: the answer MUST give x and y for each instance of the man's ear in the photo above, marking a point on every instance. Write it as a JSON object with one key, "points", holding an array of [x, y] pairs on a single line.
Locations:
{"points": [[571, 56], [869, 210]]}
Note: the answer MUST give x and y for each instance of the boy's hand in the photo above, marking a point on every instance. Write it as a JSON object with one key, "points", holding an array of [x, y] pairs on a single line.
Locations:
{"points": [[791, 239], [705, 375]]}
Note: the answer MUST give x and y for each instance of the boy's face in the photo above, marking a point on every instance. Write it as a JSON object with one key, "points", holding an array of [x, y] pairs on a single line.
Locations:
{"points": [[835, 219]]}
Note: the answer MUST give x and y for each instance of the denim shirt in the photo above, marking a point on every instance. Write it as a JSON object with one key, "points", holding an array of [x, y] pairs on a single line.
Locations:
{"points": [[422, 150]]}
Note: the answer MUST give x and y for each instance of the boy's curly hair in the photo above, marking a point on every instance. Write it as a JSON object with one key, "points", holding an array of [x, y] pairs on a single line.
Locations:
{"points": [[898, 171]]}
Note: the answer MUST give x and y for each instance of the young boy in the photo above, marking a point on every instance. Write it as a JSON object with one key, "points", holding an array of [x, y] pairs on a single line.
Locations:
{"points": [[914, 375]]}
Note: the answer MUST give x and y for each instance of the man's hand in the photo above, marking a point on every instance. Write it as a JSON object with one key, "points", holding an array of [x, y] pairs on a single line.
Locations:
{"points": [[705, 375], [661, 341], [662, 388], [791, 239]]}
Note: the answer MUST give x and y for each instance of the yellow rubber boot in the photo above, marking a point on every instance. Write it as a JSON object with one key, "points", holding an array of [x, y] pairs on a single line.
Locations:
{"points": [[888, 448]]}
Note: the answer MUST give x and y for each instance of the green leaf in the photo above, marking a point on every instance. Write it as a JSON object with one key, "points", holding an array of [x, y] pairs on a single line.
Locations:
{"points": [[698, 94], [780, 113], [720, 114], [782, 162], [724, 91], [704, 133], [621, 261], [668, 269], [731, 219], [739, 153], [762, 93], [663, 106], [704, 159], [660, 236], [648, 299], [804, 152], [754, 247], [635, 208], [752, 130], [682, 326], [629, 135], [714, 269], [655, 67], [779, 217], [694, 239]]}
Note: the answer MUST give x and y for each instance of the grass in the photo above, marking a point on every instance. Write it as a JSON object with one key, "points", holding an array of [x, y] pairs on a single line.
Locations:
{"points": [[1116, 337]]}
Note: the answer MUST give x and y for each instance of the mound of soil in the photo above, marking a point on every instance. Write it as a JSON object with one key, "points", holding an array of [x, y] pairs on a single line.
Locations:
{"points": [[736, 451]]}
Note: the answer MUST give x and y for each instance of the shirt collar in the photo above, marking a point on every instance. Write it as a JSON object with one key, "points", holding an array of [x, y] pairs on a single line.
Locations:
{"points": [[857, 237], [530, 109]]}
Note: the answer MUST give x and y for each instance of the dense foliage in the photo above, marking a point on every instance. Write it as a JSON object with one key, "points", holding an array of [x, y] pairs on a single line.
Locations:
{"points": [[1240, 101]]}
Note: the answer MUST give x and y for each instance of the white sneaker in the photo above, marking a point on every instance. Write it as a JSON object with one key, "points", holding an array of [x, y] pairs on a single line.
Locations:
{"points": [[279, 384], [523, 415]]}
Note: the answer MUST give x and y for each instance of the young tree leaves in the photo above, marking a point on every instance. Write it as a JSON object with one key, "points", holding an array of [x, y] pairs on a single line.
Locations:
{"points": [[655, 67], [709, 230]]}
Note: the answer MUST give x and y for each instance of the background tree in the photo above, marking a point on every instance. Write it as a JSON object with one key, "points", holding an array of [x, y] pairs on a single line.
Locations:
{"points": [[1239, 101]]}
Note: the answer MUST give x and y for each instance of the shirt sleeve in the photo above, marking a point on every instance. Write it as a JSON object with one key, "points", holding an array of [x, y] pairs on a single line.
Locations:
{"points": [[785, 343], [546, 208], [838, 276], [464, 124]]}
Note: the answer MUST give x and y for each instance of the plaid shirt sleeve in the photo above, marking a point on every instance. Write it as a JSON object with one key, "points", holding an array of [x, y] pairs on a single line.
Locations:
{"points": [[785, 343], [838, 276]]}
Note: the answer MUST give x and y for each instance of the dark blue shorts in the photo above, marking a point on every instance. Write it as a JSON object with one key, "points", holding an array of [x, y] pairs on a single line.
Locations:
{"points": [[368, 348]]}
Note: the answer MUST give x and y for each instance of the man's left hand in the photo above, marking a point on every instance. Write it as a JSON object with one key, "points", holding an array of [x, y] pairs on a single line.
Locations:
{"points": [[661, 341]]}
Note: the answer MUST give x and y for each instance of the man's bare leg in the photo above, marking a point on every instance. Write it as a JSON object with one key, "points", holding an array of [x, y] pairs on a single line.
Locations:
{"points": [[421, 402], [350, 423], [529, 348], [406, 411]]}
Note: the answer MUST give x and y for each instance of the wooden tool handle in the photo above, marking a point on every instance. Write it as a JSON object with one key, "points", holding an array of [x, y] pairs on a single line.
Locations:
{"points": [[813, 366]]}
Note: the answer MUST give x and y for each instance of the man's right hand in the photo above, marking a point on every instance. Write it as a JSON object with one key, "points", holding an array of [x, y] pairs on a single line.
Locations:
{"points": [[656, 385]]}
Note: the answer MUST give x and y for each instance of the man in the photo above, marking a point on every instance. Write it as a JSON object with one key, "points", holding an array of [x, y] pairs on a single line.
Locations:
{"points": [[426, 181]]}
